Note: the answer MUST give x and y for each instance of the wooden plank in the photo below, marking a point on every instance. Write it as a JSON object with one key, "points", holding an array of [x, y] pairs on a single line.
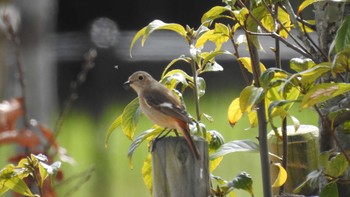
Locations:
{"points": [[176, 172]]}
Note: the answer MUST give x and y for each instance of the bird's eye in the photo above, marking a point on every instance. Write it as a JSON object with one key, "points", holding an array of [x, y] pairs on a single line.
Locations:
{"points": [[140, 77]]}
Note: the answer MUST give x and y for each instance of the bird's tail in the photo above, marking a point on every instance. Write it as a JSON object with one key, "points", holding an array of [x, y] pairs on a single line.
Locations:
{"points": [[186, 133]]}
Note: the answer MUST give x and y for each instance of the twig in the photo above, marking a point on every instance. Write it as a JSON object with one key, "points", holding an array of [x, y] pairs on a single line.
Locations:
{"points": [[90, 57], [16, 42]]}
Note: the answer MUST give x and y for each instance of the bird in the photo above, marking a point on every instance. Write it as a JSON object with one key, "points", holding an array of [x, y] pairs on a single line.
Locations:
{"points": [[162, 106]]}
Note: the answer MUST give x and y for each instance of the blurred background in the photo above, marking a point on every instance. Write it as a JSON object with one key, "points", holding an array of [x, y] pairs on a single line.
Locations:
{"points": [[55, 35]]}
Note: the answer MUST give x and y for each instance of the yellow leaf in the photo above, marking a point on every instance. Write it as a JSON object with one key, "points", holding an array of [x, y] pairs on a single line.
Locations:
{"points": [[281, 177], [214, 163], [147, 172], [248, 64], [234, 112]]}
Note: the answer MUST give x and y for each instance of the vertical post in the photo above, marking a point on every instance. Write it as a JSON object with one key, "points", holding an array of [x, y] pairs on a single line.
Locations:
{"points": [[302, 156], [176, 171]]}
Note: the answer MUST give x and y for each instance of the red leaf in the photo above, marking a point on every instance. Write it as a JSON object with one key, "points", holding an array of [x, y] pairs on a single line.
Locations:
{"points": [[24, 137], [48, 134], [10, 111]]}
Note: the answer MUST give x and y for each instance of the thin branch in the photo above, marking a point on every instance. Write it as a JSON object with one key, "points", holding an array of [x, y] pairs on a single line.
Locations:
{"points": [[294, 20], [90, 57], [16, 42]]}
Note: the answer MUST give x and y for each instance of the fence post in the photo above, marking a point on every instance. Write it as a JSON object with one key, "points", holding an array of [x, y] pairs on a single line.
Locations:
{"points": [[176, 171]]}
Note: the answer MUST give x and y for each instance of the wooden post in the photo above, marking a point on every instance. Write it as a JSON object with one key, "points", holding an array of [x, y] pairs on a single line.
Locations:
{"points": [[302, 156], [176, 171]]}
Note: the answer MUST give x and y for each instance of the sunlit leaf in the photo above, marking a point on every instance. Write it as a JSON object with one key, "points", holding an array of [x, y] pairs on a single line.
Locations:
{"points": [[301, 64], [250, 97], [235, 146], [253, 118], [234, 113], [213, 13], [210, 65], [136, 37], [330, 189], [147, 172], [213, 164], [18, 185], [116, 123], [172, 78], [322, 92], [130, 118], [165, 71], [304, 4], [157, 25], [219, 35], [281, 177], [246, 61], [342, 37], [284, 18]]}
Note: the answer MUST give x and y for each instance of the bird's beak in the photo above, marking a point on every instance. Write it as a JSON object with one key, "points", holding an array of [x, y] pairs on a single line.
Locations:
{"points": [[126, 85]]}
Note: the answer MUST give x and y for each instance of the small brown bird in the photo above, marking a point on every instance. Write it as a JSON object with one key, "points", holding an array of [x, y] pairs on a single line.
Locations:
{"points": [[162, 106]]}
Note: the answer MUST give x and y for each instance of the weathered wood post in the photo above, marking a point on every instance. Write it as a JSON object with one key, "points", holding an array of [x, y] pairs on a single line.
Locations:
{"points": [[176, 172], [302, 151]]}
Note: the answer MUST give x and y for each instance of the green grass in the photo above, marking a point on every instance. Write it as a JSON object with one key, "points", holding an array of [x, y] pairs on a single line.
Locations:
{"points": [[84, 136]]}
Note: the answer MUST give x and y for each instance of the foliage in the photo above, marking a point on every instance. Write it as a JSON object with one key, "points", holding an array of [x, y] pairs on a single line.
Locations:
{"points": [[13, 177], [272, 90], [37, 144]]}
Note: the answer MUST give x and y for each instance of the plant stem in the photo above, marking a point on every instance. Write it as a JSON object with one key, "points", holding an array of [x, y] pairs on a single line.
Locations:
{"points": [[195, 89], [262, 122]]}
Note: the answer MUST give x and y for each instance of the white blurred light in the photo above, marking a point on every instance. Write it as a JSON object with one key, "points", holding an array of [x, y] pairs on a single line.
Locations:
{"points": [[104, 32]]}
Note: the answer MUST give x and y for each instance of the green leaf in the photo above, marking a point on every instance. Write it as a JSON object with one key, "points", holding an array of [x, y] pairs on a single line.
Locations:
{"points": [[130, 118], [249, 97], [201, 85], [150, 133], [18, 185], [235, 146], [242, 181], [341, 62], [301, 64], [322, 92], [337, 165], [116, 123], [330, 189], [342, 37]]}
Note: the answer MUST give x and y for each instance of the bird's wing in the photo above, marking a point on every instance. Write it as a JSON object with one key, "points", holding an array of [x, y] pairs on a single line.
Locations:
{"points": [[168, 105]]}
